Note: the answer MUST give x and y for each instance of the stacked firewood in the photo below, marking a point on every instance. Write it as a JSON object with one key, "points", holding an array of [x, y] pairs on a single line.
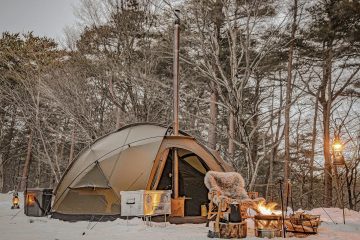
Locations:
{"points": [[302, 223]]}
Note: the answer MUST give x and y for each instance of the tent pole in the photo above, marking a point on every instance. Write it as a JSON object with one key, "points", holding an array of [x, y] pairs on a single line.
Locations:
{"points": [[176, 174], [176, 101]]}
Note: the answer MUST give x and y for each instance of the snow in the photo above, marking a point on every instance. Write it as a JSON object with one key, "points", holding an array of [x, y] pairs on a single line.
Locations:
{"points": [[15, 225]]}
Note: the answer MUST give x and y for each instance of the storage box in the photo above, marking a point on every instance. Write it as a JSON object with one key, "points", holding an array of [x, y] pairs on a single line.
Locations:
{"points": [[145, 202], [178, 207], [37, 202]]}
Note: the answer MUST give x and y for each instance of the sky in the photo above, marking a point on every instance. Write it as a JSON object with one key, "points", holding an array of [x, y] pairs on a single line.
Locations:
{"points": [[43, 17]]}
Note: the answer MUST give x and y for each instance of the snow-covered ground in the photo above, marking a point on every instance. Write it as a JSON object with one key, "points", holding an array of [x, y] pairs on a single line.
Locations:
{"points": [[15, 225]]}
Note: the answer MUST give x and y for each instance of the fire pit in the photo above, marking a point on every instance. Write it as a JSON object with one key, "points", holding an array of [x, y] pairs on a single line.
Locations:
{"points": [[268, 221], [268, 226]]}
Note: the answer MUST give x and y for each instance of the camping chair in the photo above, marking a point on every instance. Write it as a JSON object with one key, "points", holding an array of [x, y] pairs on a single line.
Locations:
{"points": [[226, 190], [218, 207]]}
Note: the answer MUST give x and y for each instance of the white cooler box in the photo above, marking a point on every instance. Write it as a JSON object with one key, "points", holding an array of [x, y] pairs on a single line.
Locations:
{"points": [[145, 202]]}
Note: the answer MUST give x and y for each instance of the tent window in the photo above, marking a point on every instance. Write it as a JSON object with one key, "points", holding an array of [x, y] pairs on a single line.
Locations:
{"points": [[95, 178]]}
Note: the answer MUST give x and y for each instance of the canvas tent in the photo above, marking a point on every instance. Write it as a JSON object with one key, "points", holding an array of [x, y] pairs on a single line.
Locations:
{"points": [[135, 157]]}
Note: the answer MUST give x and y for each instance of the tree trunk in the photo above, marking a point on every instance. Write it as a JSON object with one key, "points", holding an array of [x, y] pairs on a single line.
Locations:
{"points": [[288, 98], [118, 118], [56, 157], [71, 156], [271, 158], [1, 173], [231, 147], [313, 143], [255, 122], [25, 173], [213, 118], [327, 157], [326, 101], [274, 152], [38, 173], [348, 185], [8, 167]]}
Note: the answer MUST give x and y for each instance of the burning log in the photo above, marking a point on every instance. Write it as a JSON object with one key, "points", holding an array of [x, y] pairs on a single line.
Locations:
{"points": [[267, 208], [250, 204]]}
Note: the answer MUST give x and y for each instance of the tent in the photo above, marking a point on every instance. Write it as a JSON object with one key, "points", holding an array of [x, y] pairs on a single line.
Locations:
{"points": [[135, 157]]}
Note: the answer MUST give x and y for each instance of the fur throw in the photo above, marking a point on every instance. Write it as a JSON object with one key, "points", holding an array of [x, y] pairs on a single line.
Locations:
{"points": [[228, 184]]}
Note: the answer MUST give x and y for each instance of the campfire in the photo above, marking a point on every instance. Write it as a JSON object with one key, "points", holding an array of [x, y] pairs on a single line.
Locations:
{"points": [[268, 208], [268, 220]]}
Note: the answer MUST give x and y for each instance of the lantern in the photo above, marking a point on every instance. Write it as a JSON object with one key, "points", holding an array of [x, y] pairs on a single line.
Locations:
{"points": [[15, 201], [337, 152], [30, 201]]}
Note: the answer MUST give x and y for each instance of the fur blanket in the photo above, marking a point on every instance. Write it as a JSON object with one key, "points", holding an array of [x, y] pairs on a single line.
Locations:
{"points": [[228, 184]]}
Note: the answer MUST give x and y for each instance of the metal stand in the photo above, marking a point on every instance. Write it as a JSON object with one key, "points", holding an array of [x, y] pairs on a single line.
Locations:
{"points": [[282, 207], [176, 102]]}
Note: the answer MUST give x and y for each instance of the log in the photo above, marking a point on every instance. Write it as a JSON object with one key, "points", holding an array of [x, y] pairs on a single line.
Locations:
{"points": [[233, 230], [298, 228], [311, 223], [308, 220]]}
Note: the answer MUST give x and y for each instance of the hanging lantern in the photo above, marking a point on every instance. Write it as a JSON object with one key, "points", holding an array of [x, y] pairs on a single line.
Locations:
{"points": [[15, 201], [337, 152]]}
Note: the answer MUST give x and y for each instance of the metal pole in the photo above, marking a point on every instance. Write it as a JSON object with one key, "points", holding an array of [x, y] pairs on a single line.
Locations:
{"points": [[340, 192], [282, 208], [287, 184], [176, 101], [176, 73], [176, 174]]}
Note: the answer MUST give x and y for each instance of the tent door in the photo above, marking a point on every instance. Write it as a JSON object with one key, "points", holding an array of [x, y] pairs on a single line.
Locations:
{"points": [[191, 181]]}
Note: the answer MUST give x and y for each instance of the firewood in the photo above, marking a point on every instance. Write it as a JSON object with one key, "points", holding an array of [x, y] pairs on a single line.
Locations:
{"points": [[305, 219], [298, 228], [233, 230]]}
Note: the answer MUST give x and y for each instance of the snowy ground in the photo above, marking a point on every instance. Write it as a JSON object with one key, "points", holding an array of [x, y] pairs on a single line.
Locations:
{"points": [[15, 225]]}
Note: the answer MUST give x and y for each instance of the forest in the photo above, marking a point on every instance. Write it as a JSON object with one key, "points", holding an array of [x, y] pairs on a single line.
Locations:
{"points": [[268, 84]]}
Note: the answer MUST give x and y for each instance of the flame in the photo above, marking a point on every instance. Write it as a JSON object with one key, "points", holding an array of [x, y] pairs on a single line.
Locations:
{"points": [[267, 208], [31, 200], [15, 200]]}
